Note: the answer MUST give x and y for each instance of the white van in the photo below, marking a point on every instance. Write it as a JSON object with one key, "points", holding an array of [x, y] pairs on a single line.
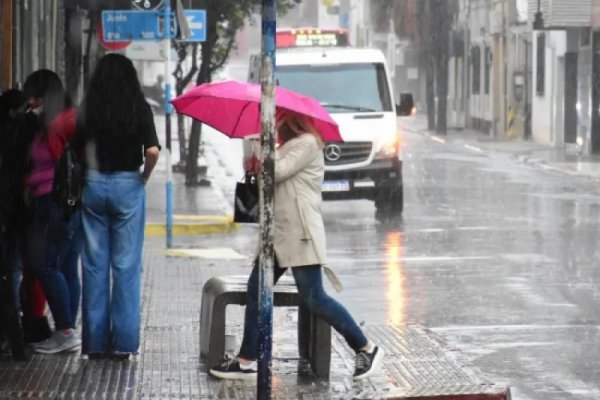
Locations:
{"points": [[354, 87]]}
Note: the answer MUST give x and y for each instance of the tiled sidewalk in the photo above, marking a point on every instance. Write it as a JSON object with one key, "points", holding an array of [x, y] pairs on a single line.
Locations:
{"points": [[417, 364]]}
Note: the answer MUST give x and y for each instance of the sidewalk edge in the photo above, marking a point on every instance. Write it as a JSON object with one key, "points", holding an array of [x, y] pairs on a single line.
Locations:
{"points": [[214, 224]]}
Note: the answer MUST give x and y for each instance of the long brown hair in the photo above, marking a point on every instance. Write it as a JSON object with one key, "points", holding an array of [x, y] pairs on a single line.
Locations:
{"points": [[291, 125]]}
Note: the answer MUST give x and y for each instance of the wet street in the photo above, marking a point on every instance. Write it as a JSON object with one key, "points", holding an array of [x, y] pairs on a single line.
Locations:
{"points": [[499, 258]]}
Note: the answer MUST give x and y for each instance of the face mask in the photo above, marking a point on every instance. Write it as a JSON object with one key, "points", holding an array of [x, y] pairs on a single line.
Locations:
{"points": [[38, 111]]}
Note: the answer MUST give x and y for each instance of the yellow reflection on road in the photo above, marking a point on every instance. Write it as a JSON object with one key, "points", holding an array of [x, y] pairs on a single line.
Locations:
{"points": [[396, 292]]}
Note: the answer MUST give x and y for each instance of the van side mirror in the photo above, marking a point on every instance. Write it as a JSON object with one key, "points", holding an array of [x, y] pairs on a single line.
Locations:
{"points": [[406, 106]]}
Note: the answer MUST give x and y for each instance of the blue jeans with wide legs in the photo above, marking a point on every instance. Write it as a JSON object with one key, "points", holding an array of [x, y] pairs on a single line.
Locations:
{"points": [[113, 215], [309, 280], [54, 246]]}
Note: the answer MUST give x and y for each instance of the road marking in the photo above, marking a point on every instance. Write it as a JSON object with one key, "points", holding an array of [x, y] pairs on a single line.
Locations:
{"points": [[477, 149], [438, 139], [510, 327], [409, 259]]}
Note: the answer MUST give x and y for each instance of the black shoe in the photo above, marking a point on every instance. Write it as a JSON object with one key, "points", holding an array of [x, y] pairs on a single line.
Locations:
{"points": [[36, 329], [231, 369], [97, 356], [367, 363], [120, 356]]}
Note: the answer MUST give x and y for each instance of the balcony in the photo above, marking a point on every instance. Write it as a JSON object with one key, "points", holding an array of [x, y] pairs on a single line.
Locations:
{"points": [[561, 14]]}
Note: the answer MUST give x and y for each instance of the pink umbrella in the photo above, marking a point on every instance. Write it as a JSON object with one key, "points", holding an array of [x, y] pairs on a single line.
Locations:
{"points": [[233, 108]]}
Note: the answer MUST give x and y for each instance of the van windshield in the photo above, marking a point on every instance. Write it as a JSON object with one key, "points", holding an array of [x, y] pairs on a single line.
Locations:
{"points": [[341, 88]]}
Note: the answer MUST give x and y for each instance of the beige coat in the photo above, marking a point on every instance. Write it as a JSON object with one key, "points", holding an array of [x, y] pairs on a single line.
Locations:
{"points": [[299, 229]]}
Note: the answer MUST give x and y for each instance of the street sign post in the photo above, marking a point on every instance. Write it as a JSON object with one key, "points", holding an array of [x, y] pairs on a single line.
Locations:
{"points": [[266, 253], [122, 25], [128, 25], [125, 25], [197, 22]]}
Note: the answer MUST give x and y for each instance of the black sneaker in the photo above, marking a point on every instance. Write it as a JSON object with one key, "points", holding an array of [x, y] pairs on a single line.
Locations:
{"points": [[231, 369], [117, 356], [367, 363]]}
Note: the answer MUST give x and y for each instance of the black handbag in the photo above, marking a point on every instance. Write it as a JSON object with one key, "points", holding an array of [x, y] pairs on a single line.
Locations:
{"points": [[246, 200]]}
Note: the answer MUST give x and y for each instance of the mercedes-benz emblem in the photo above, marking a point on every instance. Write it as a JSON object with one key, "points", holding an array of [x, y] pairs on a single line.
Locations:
{"points": [[333, 152]]}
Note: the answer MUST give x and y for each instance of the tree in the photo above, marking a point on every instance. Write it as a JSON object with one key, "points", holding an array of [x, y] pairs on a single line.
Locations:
{"points": [[181, 81], [224, 19], [428, 23]]}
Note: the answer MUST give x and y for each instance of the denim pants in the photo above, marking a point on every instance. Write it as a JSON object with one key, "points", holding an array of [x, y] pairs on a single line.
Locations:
{"points": [[54, 247], [113, 215], [309, 280]]}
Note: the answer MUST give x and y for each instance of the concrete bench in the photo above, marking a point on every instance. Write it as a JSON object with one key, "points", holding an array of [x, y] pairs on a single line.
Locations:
{"points": [[314, 334]]}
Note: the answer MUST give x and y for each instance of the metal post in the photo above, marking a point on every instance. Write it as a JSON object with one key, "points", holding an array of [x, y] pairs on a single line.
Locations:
{"points": [[169, 175], [267, 179]]}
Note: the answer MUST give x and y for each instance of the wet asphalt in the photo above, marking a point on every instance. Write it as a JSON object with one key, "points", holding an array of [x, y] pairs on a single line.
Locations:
{"points": [[497, 257]]}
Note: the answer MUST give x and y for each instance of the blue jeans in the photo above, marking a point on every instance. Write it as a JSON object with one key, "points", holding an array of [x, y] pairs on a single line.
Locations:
{"points": [[309, 280], [113, 214], [54, 246]]}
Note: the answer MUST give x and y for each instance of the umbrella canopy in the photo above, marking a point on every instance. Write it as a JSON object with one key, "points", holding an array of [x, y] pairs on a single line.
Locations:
{"points": [[233, 107]]}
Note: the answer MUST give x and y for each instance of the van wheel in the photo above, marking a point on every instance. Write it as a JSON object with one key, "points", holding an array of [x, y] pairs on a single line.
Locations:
{"points": [[389, 204]]}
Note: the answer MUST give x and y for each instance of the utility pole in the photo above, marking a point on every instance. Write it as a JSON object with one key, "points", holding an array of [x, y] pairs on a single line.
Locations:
{"points": [[267, 185]]}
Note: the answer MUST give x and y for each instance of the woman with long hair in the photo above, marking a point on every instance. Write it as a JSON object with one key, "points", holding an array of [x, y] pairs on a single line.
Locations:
{"points": [[116, 130], [52, 239], [300, 245]]}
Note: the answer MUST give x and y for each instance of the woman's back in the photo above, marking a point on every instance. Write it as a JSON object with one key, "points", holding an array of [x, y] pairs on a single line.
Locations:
{"points": [[116, 122]]}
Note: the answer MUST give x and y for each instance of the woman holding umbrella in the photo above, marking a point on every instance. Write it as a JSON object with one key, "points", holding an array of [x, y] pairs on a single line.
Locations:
{"points": [[299, 245]]}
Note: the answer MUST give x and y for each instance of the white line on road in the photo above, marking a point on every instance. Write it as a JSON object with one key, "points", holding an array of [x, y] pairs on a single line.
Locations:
{"points": [[477, 149]]}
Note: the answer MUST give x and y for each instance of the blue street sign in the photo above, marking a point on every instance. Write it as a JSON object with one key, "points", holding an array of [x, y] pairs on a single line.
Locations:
{"points": [[125, 25], [197, 22]]}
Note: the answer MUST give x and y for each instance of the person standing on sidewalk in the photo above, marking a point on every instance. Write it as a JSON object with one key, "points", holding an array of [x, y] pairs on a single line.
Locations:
{"points": [[17, 130], [52, 239], [13, 146], [117, 133], [299, 245]]}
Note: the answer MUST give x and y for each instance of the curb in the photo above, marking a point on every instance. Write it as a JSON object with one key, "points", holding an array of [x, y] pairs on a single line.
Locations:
{"points": [[194, 225], [523, 159]]}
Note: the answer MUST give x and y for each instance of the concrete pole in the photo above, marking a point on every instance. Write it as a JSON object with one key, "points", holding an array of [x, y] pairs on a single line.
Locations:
{"points": [[267, 180], [169, 174]]}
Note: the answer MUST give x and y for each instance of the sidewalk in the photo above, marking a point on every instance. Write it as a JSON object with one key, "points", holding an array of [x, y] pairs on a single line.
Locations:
{"points": [[418, 365], [563, 159]]}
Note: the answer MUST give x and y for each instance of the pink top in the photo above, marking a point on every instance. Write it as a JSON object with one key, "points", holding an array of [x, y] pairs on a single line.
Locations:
{"points": [[46, 151]]}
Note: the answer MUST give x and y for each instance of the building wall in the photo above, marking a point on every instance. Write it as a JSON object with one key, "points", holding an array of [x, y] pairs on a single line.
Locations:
{"points": [[37, 42], [480, 72], [548, 99]]}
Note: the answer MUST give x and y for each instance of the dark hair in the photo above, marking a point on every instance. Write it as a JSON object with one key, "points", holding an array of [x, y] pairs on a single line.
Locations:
{"points": [[114, 99], [46, 85], [10, 102]]}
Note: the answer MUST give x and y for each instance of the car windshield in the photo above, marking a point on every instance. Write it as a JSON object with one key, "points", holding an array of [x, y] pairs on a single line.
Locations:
{"points": [[341, 88]]}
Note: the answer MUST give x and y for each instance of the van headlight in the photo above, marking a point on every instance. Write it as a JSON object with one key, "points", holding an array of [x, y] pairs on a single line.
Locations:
{"points": [[388, 147]]}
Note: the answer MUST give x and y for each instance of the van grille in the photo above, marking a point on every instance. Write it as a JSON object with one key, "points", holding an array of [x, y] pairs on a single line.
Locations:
{"points": [[346, 153]]}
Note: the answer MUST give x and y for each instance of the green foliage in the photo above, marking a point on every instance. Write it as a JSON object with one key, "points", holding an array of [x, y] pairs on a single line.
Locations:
{"points": [[224, 19]]}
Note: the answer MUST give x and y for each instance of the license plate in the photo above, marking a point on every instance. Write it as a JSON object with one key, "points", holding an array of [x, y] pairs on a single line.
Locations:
{"points": [[336, 186]]}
